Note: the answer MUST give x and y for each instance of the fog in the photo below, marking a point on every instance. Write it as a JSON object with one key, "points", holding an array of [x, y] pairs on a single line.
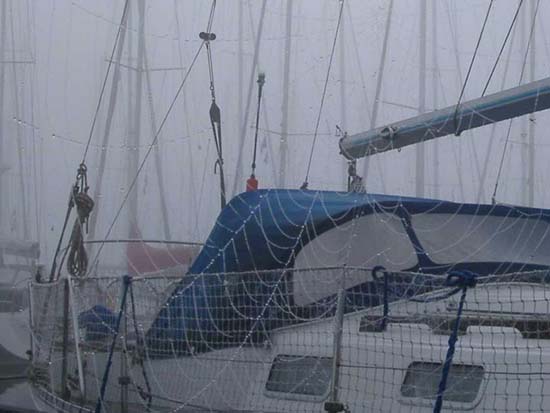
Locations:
{"points": [[56, 54]]}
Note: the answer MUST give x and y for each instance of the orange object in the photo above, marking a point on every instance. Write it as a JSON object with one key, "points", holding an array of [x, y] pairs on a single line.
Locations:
{"points": [[251, 184]]}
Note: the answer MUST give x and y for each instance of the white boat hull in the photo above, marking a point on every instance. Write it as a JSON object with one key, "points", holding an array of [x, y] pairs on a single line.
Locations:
{"points": [[372, 369]]}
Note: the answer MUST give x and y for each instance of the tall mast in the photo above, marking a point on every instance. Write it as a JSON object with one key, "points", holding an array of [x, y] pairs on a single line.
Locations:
{"points": [[2, 131], [343, 98], [435, 96], [532, 120], [240, 55], [284, 117], [380, 77], [158, 160], [420, 149], [108, 121], [22, 188], [524, 149], [133, 156]]}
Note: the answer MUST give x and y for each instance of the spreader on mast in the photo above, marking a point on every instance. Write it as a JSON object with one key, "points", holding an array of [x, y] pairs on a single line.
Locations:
{"points": [[508, 104]]}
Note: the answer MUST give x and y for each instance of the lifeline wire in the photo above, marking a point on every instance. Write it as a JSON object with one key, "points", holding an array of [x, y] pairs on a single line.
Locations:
{"points": [[304, 185]]}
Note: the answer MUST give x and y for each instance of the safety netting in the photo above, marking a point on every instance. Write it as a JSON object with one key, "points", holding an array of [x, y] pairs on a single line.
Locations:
{"points": [[485, 339], [312, 301]]}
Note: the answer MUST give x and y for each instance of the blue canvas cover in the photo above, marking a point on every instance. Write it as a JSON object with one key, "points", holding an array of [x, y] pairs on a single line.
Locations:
{"points": [[265, 230]]}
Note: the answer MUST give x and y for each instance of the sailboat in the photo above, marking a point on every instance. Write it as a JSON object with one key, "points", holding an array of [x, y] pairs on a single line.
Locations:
{"points": [[315, 300], [19, 247]]}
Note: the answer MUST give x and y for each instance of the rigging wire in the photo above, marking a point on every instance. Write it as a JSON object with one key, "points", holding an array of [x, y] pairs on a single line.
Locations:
{"points": [[457, 129], [305, 184], [244, 124], [79, 198], [502, 47], [148, 152], [111, 59], [481, 190], [215, 113], [261, 82], [493, 197]]}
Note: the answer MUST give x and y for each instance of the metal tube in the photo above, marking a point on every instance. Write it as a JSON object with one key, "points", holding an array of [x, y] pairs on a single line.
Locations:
{"points": [[284, 107], [379, 79], [126, 283], [64, 362], [420, 149], [76, 339], [124, 379], [31, 324], [108, 122], [337, 342], [532, 119], [507, 104]]}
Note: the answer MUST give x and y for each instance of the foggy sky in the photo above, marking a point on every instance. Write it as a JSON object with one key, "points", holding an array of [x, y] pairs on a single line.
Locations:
{"points": [[69, 44]]}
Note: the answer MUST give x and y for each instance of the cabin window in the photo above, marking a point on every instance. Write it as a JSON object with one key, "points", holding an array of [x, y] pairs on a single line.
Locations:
{"points": [[422, 381], [300, 375]]}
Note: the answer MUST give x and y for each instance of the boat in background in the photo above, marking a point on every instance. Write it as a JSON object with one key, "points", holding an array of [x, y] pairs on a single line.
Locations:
{"points": [[19, 246]]}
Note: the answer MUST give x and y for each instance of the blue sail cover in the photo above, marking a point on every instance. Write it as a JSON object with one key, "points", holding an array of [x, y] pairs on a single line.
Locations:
{"points": [[265, 230]]}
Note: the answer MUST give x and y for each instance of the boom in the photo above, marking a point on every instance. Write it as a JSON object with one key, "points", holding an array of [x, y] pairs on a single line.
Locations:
{"points": [[508, 104]]}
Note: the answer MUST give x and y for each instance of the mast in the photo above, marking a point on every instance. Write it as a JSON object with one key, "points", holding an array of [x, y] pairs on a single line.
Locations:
{"points": [[532, 120], [524, 146], [2, 78], [133, 156], [240, 55], [26, 234], [343, 97], [381, 70], [158, 160], [420, 148], [284, 108], [435, 96], [109, 120]]}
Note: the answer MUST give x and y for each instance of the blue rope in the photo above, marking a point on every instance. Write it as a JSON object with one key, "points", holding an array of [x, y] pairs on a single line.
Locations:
{"points": [[126, 282], [462, 280]]}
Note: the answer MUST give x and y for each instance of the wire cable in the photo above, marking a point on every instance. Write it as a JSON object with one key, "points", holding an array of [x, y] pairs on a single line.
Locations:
{"points": [[502, 47], [79, 222], [149, 150], [493, 197], [457, 131], [305, 184], [120, 27]]}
